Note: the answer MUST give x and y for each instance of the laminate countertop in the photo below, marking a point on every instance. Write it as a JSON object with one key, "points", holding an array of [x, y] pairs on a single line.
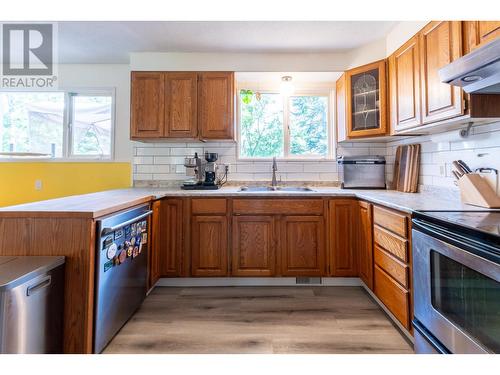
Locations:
{"points": [[99, 204]]}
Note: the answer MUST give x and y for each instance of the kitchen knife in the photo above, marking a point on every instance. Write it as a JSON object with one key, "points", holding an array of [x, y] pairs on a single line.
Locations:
{"points": [[464, 166], [456, 174], [458, 168]]}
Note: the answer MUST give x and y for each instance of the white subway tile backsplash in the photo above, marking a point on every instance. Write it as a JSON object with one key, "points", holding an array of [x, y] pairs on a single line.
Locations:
{"points": [[164, 160]]}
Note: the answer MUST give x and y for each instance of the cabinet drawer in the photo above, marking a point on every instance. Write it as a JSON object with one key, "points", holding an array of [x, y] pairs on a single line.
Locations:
{"points": [[278, 206], [395, 245], [390, 220], [395, 268], [394, 296], [208, 206]]}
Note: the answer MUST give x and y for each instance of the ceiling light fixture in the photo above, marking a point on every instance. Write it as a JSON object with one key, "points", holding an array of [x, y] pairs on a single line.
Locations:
{"points": [[286, 87]]}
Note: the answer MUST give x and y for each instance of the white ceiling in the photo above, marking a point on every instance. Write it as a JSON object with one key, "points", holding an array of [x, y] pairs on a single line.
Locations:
{"points": [[111, 42]]}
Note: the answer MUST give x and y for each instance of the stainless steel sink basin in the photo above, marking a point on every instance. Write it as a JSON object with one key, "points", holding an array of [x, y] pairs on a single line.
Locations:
{"points": [[278, 188]]}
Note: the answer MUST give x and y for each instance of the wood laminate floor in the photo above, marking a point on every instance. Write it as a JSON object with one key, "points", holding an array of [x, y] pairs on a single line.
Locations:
{"points": [[259, 320]]}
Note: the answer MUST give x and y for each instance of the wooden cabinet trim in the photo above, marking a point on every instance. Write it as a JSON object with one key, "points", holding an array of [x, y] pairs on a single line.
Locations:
{"points": [[364, 243]]}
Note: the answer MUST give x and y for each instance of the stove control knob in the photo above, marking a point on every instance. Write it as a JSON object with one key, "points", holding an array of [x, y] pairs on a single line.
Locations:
{"points": [[111, 252]]}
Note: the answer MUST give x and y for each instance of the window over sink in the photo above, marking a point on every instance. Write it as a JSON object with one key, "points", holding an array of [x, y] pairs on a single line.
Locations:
{"points": [[283, 121], [69, 124]]}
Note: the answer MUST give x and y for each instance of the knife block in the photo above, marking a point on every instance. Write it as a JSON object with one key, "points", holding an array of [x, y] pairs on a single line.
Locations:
{"points": [[476, 191]]}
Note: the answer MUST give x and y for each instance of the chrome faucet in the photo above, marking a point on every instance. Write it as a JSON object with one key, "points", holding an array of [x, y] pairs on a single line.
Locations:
{"points": [[274, 183]]}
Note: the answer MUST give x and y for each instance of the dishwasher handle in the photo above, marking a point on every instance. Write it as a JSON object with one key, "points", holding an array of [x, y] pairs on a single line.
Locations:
{"points": [[32, 289], [124, 223]]}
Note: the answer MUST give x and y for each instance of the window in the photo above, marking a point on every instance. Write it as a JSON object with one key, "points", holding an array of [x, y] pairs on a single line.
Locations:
{"points": [[295, 126], [62, 124]]}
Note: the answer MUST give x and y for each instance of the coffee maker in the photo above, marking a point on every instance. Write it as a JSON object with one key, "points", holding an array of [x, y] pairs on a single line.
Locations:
{"points": [[203, 172], [210, 168]]}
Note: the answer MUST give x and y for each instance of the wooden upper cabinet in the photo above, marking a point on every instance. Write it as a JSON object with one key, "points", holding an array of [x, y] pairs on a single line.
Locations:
{"points": [[181, 101], [342, 219], [302, 248], [254, 248], [340, 109], [216, 105], [440, 44], [478, 33], [364, 243], [365, 98], [404, 79], [147, 107], [209, 248]]}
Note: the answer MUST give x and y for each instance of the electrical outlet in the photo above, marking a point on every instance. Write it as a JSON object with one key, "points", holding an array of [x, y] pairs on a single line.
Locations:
{"points": [[38, 184], [442, 170]]}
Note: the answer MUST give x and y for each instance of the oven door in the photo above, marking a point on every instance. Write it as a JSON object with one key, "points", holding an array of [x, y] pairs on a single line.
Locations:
{"points": [[456, 289]]}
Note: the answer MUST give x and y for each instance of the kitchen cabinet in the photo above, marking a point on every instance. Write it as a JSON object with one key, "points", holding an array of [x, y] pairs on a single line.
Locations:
{"points": [[216, 105], [342, 219], [209, 250], [404, 86], [361, 102], [168, 244], [147, 106], [254, 245], [479, 33], [155, 249], [186, 105], [392, 262], [440, 44], [302, 246], [181, 103], [364, 237]]}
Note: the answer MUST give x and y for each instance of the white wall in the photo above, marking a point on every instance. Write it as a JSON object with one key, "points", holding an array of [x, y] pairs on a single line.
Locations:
{"points": [[115, 76], [401, 33], [242, 62]]}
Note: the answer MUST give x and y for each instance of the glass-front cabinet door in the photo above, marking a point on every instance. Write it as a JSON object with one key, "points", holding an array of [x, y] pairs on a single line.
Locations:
{"points": [[366, 100]]}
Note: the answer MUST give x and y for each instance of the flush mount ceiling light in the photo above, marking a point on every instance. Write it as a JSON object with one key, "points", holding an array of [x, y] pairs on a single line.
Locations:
{"points": [[286, 87]]}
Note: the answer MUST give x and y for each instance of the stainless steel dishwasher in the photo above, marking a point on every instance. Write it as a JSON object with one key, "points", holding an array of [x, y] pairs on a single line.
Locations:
{"points": [[121, 271], [31, 304]]}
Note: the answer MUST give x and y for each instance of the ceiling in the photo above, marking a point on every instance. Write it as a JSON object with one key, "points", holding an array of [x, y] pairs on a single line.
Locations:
{"points": [[111, 42]]}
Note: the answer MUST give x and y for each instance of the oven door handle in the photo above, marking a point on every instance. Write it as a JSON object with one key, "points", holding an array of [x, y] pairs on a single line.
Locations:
{"points": [[478, 248], [124, 223]]}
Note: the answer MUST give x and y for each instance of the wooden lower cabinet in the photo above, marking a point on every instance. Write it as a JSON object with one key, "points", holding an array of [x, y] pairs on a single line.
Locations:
{"points": [[342, 215], [393, 295], [209, 250], [254, 246], [302, 247], [168, 244], [364, 243]]}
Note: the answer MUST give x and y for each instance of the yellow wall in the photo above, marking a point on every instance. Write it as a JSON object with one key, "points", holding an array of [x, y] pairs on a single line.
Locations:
{"points": [[17, 180]]}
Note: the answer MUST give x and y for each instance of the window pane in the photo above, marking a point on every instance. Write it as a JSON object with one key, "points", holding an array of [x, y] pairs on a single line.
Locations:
{"points": [[91, 125], [261, 125], [32, 122], [308, 121]]}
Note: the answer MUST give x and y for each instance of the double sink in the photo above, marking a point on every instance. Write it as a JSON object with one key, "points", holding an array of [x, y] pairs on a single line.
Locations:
{"points": [[276, 188]]}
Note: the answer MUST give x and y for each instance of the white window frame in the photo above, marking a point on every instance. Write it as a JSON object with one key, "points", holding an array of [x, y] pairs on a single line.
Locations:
{"points": [[330, 155], [68, 154]]}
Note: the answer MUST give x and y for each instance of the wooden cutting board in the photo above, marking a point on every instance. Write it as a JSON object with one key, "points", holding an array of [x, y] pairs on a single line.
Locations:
{"points": [[406, 168]]}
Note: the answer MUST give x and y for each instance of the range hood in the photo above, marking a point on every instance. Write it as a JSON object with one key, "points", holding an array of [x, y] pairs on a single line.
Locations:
{"points": [[477, 72]]}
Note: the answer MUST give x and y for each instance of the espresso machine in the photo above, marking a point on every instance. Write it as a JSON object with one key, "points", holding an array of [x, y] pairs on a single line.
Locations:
{"points": [[203, 172]]}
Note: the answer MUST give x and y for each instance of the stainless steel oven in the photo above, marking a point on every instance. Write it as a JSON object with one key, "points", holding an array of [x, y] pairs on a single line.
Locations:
{"points": [[456, 274]]}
